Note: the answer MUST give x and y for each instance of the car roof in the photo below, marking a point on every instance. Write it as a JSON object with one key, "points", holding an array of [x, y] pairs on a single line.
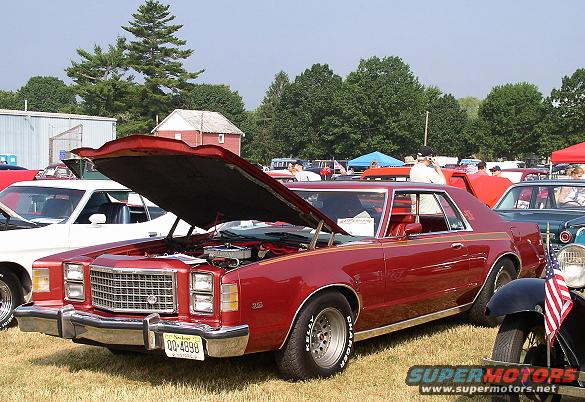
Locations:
{"points": [[73, 184], [551, 182], [364, 185]]}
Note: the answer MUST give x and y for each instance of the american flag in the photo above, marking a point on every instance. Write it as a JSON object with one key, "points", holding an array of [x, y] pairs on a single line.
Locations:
{"points": [[558, 301]]}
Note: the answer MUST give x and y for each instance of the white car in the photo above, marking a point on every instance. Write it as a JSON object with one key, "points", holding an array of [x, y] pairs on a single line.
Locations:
{"points": [[39, 218]]}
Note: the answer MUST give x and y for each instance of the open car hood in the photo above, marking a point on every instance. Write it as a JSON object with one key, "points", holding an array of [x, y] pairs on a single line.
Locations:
{"points": [[204, 186], [7, 212]]}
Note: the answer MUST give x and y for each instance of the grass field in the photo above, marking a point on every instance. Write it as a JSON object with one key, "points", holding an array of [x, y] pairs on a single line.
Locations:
{"points": [[35, 367]]}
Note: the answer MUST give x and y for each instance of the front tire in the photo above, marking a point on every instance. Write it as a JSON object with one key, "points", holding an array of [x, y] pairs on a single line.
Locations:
{"points": [[503, 273], [321, 340], [521, 339], [10, 298]]}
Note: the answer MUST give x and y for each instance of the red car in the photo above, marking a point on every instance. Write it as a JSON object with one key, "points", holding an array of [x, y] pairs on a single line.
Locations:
{"points": [[337, 262]]}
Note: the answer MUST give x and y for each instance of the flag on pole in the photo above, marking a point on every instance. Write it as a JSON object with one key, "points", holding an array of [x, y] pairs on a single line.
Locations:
{"points": [[557, 303]]}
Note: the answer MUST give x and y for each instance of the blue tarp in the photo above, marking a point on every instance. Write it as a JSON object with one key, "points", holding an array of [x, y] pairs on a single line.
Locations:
{"points": [[382, 159]]}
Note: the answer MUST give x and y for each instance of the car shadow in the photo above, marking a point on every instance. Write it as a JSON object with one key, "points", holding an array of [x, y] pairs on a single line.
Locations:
{"points": [[215, 375]]}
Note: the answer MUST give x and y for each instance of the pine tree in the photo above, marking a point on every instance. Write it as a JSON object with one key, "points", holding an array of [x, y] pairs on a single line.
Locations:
{"points": [[156, 53]]}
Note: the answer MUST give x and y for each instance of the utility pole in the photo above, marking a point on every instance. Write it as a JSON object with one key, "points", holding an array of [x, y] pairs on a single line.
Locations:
{"points": [[426, 127]]}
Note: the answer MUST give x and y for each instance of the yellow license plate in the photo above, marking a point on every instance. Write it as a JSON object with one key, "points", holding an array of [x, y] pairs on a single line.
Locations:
{"points": [[184, 346]]}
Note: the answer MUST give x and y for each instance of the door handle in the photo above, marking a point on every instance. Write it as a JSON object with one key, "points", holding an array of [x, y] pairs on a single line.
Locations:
{"points": [[456, 246], [152, 234]]}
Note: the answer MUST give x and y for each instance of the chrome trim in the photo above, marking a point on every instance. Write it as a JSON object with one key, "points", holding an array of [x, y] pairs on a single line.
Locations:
{"points": [[192, 291], [309, 296], [370, 333], [492, 268], [136, 271], [69, 323], [354, 190], [468, 227]]}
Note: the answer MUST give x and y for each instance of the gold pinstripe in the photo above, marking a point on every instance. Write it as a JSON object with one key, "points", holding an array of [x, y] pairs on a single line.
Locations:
{"points": [[400, 243]]}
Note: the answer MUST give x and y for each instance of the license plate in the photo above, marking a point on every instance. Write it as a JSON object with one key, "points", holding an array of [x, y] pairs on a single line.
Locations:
{"points": [[184, 346]]}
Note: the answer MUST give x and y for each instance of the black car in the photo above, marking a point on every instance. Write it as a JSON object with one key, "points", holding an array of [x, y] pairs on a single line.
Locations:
{"points": [[4, 166]]}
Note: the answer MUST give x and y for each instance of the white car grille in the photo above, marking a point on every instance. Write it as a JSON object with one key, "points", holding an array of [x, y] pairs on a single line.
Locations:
{"points": [[133, 290]]}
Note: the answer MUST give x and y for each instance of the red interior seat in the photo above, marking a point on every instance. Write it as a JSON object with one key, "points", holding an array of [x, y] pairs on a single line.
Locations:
{"points": [[398, 223]]}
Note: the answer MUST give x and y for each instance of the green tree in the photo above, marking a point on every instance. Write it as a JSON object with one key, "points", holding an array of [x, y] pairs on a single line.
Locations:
{"points": [[260, 144], [509, 116], [304, 111], [10, 100], [381, 106], [564, 121], [105, 86], [470, 105], [447, 122], [47, 94], [156, 54]]}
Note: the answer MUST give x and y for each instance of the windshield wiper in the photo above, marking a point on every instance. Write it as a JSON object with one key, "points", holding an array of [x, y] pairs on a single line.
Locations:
{"points": [[232, 235], [286, 235]]}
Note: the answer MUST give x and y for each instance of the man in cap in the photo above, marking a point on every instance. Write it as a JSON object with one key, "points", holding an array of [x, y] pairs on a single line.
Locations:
{"points": [[496, 171], [426, 170]]}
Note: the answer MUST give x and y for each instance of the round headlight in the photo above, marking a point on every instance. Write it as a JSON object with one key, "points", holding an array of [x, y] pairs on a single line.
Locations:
{"points": [[572, 263]]}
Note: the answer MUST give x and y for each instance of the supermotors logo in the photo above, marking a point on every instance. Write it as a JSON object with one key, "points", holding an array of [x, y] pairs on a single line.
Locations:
{"points": [[472, 380]]}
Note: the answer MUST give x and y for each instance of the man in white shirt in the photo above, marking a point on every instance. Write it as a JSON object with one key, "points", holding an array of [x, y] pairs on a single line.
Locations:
{"points": [[426, 170], [301, 175]]}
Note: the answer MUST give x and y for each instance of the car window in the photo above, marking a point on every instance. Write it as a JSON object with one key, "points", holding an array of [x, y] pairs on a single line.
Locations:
{"points": [[453, 216], [358, 212], [427, 208], [516, 198], [570, 196], [119, 207], [41, 204]]}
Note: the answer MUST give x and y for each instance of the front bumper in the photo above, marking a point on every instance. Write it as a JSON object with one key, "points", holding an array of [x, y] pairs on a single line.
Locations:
{"points": [[66, 322]]}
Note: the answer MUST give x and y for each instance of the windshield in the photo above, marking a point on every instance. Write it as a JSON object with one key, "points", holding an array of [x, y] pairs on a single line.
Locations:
{"points": [[41, 204], [358, 212]]}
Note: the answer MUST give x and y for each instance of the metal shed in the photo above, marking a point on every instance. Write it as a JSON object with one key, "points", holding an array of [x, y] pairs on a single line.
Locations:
{"points": [[40, 138]]}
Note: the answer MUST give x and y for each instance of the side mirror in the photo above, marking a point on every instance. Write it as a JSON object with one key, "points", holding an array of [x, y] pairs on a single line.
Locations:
{"points": [[412, 229], [97, 219]]}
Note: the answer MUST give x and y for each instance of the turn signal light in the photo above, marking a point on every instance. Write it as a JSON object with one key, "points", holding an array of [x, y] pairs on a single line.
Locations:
{"points": [[229, 297], [40, 280]]}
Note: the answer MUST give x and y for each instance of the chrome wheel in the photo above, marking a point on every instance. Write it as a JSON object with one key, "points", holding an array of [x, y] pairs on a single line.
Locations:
{"points": [[328, 336], [6, 301]]}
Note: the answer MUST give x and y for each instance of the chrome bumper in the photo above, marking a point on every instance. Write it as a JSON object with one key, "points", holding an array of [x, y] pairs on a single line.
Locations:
{"points": [[148, 332]]}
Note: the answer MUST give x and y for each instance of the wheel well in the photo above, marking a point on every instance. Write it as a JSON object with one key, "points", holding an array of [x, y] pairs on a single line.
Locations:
{"points": [[349, 294], [515, 260], [21, 274]]}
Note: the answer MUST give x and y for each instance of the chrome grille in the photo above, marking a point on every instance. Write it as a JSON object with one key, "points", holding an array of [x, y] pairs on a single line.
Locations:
{"points": [[133, 290]]}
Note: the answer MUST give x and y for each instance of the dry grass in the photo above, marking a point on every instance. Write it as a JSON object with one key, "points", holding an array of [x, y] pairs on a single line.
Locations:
{"points": [[35, 367]]}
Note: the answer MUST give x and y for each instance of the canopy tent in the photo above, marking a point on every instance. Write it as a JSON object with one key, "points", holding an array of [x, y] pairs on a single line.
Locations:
{"points": [[382, 159], [573, 154]]}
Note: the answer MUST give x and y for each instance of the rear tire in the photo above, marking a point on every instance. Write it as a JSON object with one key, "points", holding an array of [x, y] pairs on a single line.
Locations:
{"points": [[321, 340], [521, 340], [503, 272], [10, 298]]}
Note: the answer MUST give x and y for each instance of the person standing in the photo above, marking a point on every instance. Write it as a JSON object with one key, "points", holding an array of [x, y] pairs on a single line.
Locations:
{"points": [[481, 169], [300, 173], [426, 170], [496, 171]]}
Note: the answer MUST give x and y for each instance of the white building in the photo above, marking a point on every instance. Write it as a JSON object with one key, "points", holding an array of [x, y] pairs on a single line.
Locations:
{"points": [[40, 138]]}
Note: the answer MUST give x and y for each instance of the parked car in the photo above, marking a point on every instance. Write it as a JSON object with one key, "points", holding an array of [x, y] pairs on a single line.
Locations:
{"points": [[5, 166], [521, 337], [56, 171], [516, 175], [488, 189], [304, 270], [44, 217], [282, 175], [559, 204]]}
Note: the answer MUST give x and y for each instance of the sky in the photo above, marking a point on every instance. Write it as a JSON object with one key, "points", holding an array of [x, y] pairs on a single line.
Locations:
{"points": [[464, 47]]}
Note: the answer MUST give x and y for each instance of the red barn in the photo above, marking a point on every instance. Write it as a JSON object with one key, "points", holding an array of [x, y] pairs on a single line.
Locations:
{"points": [[199, 127]]}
